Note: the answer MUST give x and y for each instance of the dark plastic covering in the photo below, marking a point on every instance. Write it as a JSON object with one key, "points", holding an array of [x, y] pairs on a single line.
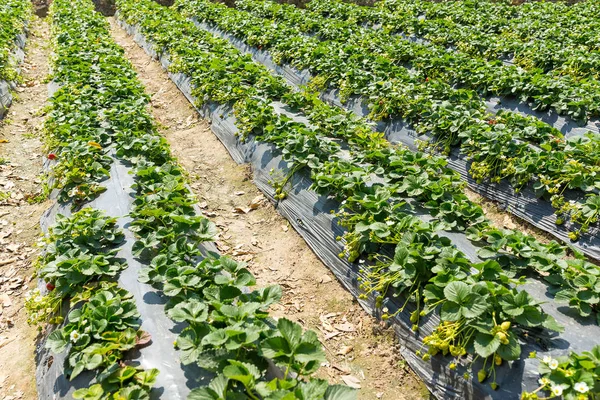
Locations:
{"points": [[309, 214]]}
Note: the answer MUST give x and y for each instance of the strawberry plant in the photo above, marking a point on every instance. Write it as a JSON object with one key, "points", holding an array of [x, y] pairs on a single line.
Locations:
{"points": [[77, 251], [79, 262], [570, 377], [361, 62], [14, 15]]}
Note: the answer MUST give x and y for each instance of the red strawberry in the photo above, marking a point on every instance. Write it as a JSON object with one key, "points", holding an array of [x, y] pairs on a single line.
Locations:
{"points": [[51, 156], [50, 286], [427, 79], [492, 122]]}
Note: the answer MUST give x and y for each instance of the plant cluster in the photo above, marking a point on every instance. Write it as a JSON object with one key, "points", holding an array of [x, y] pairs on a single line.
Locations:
{"points": [[372, 64], [374, 182], [77, 251], [14, 15], [572, 377], [550, 37]]}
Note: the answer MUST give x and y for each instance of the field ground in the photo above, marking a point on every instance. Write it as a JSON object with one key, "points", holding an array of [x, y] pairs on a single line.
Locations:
{"points": [[360, 351]]}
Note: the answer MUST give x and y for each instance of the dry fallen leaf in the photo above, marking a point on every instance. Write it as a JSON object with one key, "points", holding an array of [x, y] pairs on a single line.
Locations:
{"points": [[5, 300], [256, 202], [351, 381], [345, 327], [345, 350]]}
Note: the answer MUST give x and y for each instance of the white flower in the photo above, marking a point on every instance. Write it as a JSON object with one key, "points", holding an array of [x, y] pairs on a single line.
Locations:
{"points": [[547, 359], [553, 364], [544, 381], [557, 390], [74, 336], [581, 387]]}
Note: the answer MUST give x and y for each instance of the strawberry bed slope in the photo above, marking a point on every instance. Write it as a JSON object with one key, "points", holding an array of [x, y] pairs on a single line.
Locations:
{"points": [[309, 213], [14, 15], [524, 203], [182, 319]]}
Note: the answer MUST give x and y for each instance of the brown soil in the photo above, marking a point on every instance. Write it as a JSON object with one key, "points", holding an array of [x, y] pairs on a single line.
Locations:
{"points": [[21, 158], [359, 351]]}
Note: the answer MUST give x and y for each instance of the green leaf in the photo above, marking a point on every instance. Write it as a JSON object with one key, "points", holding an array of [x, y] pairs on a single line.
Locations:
{"points": [[551, 324], [57, 342], [191, 311], [307, 352], [510, 351], [450, 311], [291, 331], [486, 345], [147, 378], [94, 392], [456, 291], [274, 347], [340, 392], [245, 373], [204, 393]]}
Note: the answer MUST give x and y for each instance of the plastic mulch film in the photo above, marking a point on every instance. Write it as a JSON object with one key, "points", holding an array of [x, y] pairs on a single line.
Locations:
{"points": [[6, 87], [524, 204], [309, 214]]}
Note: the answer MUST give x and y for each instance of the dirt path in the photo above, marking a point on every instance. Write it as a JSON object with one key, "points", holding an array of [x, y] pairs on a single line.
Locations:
{"points": [[21, 158], [359, 352]]}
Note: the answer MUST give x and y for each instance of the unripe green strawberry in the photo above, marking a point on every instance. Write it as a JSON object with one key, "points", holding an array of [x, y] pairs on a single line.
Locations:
{"points": [[481, 375]]}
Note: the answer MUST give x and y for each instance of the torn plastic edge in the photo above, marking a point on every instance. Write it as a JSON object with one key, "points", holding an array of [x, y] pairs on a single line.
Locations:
{"points": [[524, 204], [320, 232]]}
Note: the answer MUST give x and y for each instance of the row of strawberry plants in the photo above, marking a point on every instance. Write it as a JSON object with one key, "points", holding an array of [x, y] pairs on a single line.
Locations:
{"points": [[565, 94], [14, 14], [427, 268], [229, 331], [499, 145], [541, 36], [79, 263]]}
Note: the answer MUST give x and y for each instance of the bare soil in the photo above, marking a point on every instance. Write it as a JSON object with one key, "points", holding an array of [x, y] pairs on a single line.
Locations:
{"points": [[21, 158], [360, 352]]}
